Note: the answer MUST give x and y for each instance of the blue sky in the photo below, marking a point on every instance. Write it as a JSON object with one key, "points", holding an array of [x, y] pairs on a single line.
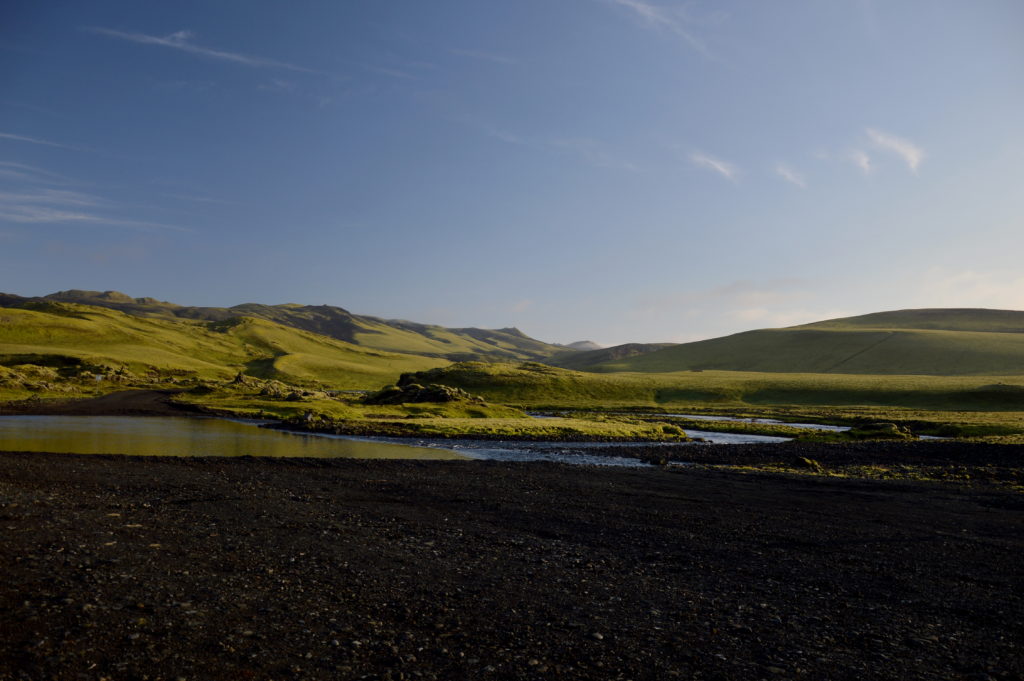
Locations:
{"points": [[617, 170]]}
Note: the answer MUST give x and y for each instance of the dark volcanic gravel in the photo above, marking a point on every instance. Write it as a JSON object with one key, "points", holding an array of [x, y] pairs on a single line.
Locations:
{"points": [[134, 568], [880, 452]]}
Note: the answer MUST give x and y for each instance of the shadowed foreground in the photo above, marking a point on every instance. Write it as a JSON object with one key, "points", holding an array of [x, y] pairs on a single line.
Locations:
{"points": [[129, 568]]}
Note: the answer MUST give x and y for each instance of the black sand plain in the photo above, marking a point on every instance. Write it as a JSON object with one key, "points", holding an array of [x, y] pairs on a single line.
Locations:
{"points": [[120, 567]]}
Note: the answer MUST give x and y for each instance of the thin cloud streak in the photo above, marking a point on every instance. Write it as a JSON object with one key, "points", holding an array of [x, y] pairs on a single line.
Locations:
{"points": [[392, 73], [203, 199], [592, 152], [911, 154], [499, 133], [30, 174], [589, 150], [50, 196], [52, 206], [484, 56], [180, 41], [723, 168], [33, 140], [790, 175], [665, 19]]}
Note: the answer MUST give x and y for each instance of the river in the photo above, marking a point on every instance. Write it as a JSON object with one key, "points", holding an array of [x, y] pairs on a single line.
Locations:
{"points": [[168, 436]]}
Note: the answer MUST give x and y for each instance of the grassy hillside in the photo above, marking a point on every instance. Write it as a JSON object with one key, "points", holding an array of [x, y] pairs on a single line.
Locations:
{"points": [[936, 319], [46, 332], [537, 385], [927, 342], [585, 360], [368, 332]]}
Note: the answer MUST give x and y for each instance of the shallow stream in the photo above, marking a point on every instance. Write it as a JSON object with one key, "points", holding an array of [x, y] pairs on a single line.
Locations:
{"points": [[168, 436]]}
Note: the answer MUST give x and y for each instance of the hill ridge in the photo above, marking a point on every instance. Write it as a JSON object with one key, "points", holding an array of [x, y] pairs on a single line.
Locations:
{"points": [[426, 340], [990, 320], [925, 341]]}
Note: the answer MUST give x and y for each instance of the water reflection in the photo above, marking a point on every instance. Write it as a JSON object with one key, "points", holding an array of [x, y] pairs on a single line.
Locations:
{"points": [[163, 436]]}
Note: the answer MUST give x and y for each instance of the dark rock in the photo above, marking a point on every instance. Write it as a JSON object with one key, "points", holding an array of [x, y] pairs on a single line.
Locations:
{"points": [[415, 392]]}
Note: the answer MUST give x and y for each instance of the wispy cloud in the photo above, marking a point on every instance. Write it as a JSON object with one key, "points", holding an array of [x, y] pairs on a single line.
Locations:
{"points": [[501, 134], [50, 196], [202, 199], [723, 168], [33, 140], [51, 206], [181, 40], [390, 72], [790, 175], [483, 56], [860, 158], [673, 20], [521, 306], [593, 152], [911, 154], [278, 85], [31, 174]]}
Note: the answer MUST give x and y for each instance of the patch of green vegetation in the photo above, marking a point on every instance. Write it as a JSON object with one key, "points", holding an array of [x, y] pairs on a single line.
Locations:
{"points": [[1011, 479], [739, 427], [554, 429], [537, 385], [458, 418], [248, 397], [867, 431], [926, 405]]}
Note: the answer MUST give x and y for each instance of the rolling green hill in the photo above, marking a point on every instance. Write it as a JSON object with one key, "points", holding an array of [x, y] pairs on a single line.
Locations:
{"points": [[953, 342], [934, 319], [368, 332], [58, 334], [537, 385], [584, 360]]}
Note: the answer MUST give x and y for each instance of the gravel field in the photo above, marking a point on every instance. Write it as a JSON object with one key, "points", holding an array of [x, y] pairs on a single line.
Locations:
{"points": [[161, 568]]}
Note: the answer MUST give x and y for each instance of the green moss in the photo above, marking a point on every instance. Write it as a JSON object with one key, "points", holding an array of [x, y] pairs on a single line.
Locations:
{"points": [[556, 429]]}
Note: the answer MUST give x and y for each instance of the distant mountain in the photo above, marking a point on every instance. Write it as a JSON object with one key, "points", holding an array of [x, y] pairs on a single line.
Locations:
{"points": [[927, 341], [584, 345], [368, 332], [584, 361]]}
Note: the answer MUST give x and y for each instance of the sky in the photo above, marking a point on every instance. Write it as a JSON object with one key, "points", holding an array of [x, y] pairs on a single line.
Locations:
{"points": [[611, 170]]}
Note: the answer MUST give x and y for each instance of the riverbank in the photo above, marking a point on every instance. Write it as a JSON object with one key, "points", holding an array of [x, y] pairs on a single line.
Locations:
{"points": [[128, 567], [120, 403]]}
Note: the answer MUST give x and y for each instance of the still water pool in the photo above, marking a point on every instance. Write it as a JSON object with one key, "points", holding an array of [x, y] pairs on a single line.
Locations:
{"points": [[167, 436]]}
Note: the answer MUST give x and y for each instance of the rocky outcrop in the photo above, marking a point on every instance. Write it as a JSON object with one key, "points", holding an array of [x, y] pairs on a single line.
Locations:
{"points": [[414, 392]]}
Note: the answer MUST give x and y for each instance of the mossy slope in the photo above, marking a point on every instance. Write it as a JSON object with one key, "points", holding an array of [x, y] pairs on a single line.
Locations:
{"points": [[327, 320], [216, 349]]}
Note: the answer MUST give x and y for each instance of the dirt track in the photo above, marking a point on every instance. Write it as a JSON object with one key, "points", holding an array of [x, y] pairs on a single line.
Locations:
{"points": [[130, 568]]}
